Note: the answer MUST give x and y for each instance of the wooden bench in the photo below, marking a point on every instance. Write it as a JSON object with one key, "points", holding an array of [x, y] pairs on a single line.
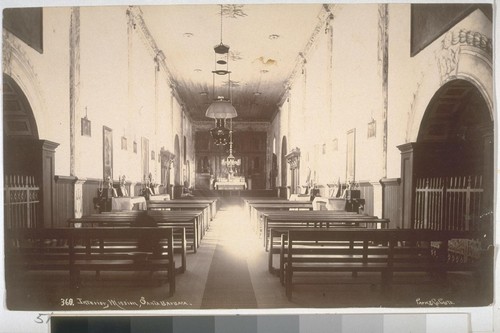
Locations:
{"points": [[284, 206], [384, 251], [182, 229], [75, 250], [277, 236], [194, 200], [317, 219], [203, 208]]}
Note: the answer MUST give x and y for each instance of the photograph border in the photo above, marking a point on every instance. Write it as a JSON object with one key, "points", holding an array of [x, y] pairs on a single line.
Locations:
{"points": [[481, 318]]}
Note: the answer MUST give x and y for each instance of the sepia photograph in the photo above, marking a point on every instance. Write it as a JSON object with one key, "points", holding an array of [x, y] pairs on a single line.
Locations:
{"points": [[292, 156]]}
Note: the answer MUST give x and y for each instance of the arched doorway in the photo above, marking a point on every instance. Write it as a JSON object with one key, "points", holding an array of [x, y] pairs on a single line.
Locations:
{"points": [[29, 163], [447, 175]]}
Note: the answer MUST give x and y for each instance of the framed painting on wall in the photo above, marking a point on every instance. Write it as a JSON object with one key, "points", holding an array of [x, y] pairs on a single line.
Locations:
{"points": [[107, 152]]}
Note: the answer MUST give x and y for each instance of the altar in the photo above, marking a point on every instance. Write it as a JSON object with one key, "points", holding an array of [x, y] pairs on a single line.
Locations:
{"points": [[128, 203], [231, 184]]}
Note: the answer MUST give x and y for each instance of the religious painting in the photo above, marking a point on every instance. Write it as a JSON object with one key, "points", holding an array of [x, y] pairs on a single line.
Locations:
{"points": [[86, 127], [107, 152], [124, 143]]}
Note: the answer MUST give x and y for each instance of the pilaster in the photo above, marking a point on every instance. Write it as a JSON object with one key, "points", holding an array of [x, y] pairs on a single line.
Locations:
{"points": [[78, 197]]}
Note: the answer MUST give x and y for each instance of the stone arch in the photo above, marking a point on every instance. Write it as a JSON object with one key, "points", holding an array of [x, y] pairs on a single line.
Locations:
{"points": [[17, 67], [18, 117], [28, 161], [470, 63], [454, 127]]}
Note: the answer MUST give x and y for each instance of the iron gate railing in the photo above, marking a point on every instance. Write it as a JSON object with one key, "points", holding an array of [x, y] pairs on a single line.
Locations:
{"points": [[448, 203], [21, 202]]}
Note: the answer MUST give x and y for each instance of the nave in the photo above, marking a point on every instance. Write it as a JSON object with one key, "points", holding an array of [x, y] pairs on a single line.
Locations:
{"points": [[230, 271]]}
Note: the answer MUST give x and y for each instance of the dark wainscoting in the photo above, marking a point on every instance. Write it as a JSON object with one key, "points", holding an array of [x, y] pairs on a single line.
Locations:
{"points": [[391, 192], [366, 189], [89, 193], [64, 205], [283, 192], [137, 189]]}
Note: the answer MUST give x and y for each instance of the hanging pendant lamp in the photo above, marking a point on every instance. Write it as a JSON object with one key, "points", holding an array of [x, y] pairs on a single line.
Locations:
{"points": [[221, 109]]}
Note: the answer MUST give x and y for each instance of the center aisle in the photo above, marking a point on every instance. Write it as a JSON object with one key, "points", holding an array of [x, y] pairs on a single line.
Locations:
{"points": [[229, 285]]}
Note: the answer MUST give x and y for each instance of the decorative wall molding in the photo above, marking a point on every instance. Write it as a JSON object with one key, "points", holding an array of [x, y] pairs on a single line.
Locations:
{"points": [[136, 22], [413, 103], [7, 52], [324, 19], [17, 65], [451, 44], [293, 158], [233, 11], [383, 58], [167, 158], [74, 86], [390, 181], [78, 197]]}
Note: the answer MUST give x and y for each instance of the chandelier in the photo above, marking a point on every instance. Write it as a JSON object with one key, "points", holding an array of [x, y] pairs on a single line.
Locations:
{"points": [[221, 109], [220, 133], [230, 162]]}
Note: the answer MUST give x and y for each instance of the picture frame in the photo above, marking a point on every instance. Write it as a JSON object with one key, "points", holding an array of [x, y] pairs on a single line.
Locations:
{"points": [[86, 127], [124, 143]]}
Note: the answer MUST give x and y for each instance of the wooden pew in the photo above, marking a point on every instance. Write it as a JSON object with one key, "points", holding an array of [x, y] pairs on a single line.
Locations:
{"points": [[74, 250], [256, 208], [384, 251], [204, 208], [213, 202], [247, 201], [281, 224], [277, 236], [191, 220], [184, 228], [318, 218]]}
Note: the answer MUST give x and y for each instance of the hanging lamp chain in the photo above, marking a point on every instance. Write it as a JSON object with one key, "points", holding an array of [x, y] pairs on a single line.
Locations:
{"points": [[221, 24]]}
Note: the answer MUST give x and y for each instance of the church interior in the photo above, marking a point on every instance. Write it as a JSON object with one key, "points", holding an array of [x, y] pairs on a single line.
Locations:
{"points": [[248, 156]]}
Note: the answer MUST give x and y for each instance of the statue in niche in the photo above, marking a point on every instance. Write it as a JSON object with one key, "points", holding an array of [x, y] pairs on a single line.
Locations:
{"points": [[123, 192]]}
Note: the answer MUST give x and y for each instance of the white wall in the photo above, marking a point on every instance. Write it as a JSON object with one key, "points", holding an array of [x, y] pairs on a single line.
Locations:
{"points": [[325, 104], [338, 90], [44, 78], [118, 87], [413, 81]]}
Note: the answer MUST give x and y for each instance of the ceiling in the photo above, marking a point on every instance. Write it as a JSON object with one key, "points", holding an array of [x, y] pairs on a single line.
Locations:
{"points": [[265, 42], [458, 112]]}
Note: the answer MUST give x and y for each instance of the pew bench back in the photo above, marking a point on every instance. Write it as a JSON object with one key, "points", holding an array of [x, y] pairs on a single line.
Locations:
{"points": [[384, 251], [74, 250]]}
